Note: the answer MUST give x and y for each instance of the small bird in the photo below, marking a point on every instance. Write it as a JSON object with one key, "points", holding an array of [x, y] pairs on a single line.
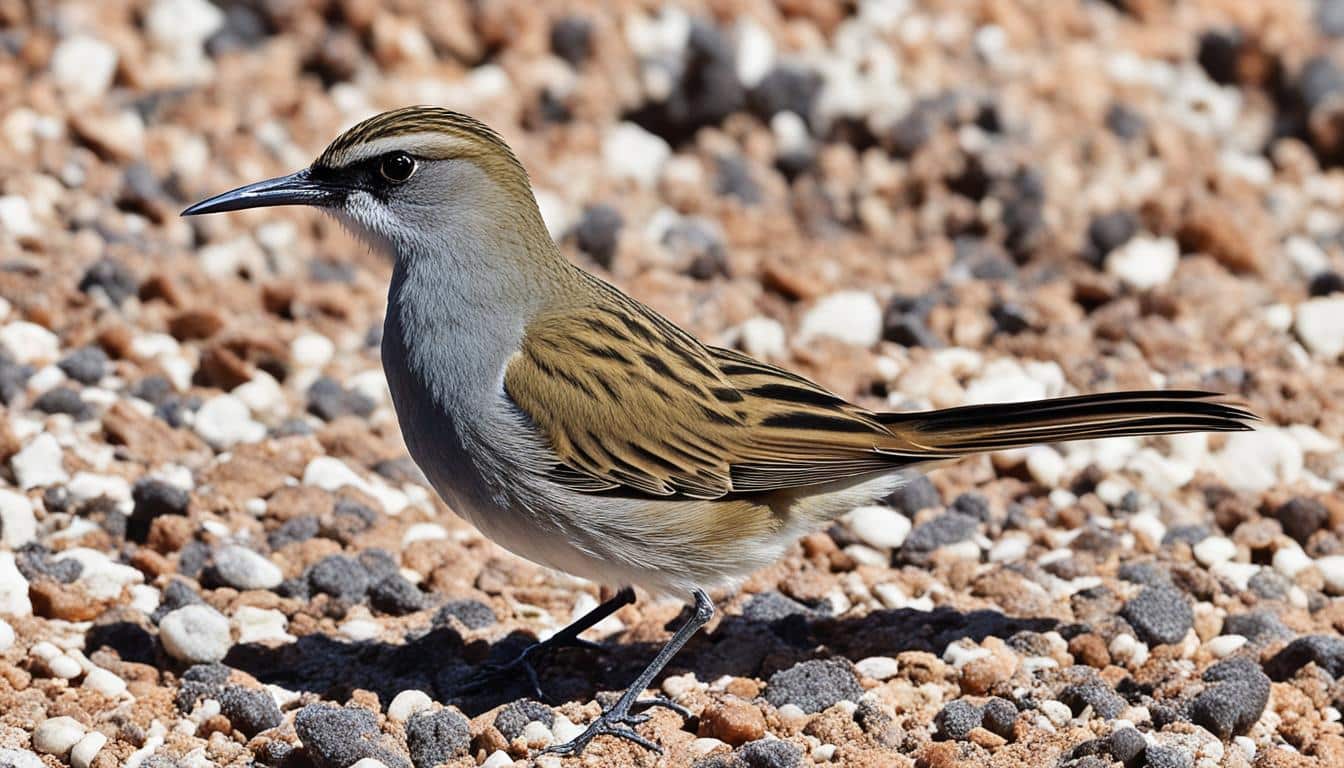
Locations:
{"points": [[583, 431]]}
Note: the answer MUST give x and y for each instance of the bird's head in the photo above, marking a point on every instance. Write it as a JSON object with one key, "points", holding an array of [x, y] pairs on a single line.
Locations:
{"points": [[406, 180]]}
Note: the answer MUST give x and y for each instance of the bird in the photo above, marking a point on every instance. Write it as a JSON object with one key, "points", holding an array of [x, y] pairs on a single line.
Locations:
{"points": [[580, 429]]}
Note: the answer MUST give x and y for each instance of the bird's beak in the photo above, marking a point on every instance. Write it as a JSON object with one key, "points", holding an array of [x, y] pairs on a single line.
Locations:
{"points": [[298, 188]]}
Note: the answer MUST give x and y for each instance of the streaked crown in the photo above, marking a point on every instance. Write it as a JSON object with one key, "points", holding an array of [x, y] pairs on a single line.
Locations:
{"points": [[430, 133]]}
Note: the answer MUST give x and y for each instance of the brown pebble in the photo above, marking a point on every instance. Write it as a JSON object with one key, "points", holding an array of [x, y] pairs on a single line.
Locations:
{"points": [[986, 739], [939, 754], [1091, 650], [68, 602], [191, 324], [161, 286], [151, 563], [744, 687], [222, 367], [169, 533], [733, 721]]}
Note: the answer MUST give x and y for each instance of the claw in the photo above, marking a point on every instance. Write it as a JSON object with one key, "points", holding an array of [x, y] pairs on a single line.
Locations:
{"points": [[610, 723], [665, 703]]}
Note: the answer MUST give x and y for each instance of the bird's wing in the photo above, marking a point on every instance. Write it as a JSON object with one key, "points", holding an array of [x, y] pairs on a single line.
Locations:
{"points": [[627, 402]]}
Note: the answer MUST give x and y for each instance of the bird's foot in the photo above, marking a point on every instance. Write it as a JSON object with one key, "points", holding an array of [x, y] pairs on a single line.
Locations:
{"points": [[619, 722]]}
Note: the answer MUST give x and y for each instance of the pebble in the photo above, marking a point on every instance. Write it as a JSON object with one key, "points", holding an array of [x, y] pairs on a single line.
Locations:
{"points": [[339, 576], [472, 613], [13, 588], [1160, 614], [105, 682], [18, 525], [56, 735], [224, 421], [947, 529], [732, 721], [881, 527], [957, 719], [1332, 573], [437, 737], [630, 152], [1144, 262], [242, 568], [20, 758], [851, 317], [497, 759], [1045, 465], [878, 667], [39, 463], [1234, 702], [196, 634], [763, 338], [1319, 323], [408, 703], [311, 350], [813, 685], [64, 667], [261, 625], [770, 753], [86, 749], [598, 231], [1214, 550], [337, 737], [83, 66], [249, 711], [513, 718], [916, 495]]}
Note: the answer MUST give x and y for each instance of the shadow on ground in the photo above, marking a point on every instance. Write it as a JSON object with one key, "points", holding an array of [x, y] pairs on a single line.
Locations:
{"points": [[442, 664]]}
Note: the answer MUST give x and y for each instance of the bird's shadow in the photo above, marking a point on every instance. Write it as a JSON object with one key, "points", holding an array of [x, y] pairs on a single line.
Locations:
{"points": [[441, 663]]}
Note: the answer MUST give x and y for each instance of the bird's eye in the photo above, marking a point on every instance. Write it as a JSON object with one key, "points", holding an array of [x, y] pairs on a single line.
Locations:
{"points": [[397, 166]]}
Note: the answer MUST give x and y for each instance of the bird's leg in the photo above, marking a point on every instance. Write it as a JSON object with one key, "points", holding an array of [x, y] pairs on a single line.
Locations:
{"points": [[569, 636], [618, 720]]}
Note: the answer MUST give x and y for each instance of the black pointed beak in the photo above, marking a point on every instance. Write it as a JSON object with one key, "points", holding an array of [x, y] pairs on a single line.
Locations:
{"points": [[298, 188]]}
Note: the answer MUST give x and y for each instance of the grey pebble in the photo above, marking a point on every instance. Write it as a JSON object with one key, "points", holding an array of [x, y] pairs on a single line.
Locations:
{"points": [[249, 711], [957, 719], [1160, 614], [336, 737], [770, 753], [814, 685], [437, 737], [512, 719]]}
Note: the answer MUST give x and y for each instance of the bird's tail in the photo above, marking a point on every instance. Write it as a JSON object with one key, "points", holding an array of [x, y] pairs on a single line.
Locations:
{"points": [[999, 426]]}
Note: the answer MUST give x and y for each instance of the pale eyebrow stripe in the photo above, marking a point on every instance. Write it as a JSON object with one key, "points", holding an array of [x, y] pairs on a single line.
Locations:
{"points": [[431, 145]]}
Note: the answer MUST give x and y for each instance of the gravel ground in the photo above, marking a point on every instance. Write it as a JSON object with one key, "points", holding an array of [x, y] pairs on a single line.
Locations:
{"points": [[215, 551]]}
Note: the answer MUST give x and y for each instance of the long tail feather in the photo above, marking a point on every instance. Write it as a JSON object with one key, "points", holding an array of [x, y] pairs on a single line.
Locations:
{"points": [[998, 426]]}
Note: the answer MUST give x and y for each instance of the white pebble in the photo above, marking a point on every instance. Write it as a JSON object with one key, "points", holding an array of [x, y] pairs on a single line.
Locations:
{"points": [[1215, 549], [16, 217], [497, 759], [83, 66], [1058, 713], [1319, 323], [1045, 465], [312, 350], [64, 667], [367, 762], [101, 577], [29, 342], [262, 395], [755, 52], [877, 526], [537, 733], [1290, 560], [39, 464], [764, 337], [56, 735], [20, 758], [630, 152], [1144, 262], [565, 730], [83, 753], [18, 526], [6, 636], [13, 589], [878, 667], [224, 421], [852, 317], [1009, 548], [105, 682], [260, 625], [1225, 645], [423, 532], [407, 703], [242, 568], [360, 630], [1256, 461], [1149, 526], [1332, 571], [195, 633]]}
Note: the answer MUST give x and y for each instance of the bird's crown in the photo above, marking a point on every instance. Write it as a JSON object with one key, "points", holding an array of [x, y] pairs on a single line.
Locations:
{"points": [[429, 133]]}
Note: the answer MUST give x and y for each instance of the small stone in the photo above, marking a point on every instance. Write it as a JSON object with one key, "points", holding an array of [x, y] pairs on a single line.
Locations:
{"points": [[1160, 614], [472, 613], [1126, 744], [880, 527], [946, 529], [1143, 262], [1215, 549], [63, 400], [408, 703], [224, 421], [86, 365], [1104, 701], [957, 718], [153, 498], [1302, 516], [111, 279], [241, 568], [1325, 283], [914, 496], [732, 721], [998, 716], [631, 152], [83, 66], [195, 634], [18, 524], [337, 737], [878, 667], [698, 243], [770, 753], [1325, 651], [249, 711], [1235, 701], [86, 749], [105, 682], [395, 595], [851, 317], [598, 231], [785, 88], [328, 401], [1166, 757], [571, 39], [813, 685], [339, 576], [1110, 231], [1319, 323], [56, 735], [512, 719], [20, 758]]}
